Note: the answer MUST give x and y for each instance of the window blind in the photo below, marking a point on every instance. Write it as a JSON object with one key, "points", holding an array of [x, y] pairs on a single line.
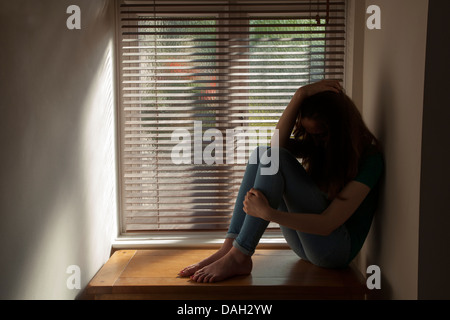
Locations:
{"points": [[202, 84]]}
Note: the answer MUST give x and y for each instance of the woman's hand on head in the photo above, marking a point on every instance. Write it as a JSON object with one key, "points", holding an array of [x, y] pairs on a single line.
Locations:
{"points": [[321, 86], [257, 205]]}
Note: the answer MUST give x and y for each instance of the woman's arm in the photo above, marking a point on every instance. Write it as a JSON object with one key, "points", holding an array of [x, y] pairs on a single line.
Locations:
{"points": [[289, 117], [337, 213], [287, 120]]}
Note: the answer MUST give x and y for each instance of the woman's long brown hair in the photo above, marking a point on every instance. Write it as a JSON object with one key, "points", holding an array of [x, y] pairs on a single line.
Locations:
{"points": [[333, 160]]}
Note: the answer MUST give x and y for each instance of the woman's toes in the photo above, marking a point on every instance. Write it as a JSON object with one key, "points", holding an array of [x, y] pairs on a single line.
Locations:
{"points": [[207, 278], [196, 276], [201, 276], [189, 271]]}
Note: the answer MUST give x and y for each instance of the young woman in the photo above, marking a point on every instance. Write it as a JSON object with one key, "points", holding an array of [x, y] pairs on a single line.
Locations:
{"points": [[324, 205]]}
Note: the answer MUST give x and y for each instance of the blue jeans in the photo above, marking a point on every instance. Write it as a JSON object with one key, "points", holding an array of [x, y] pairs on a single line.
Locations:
{"points": [[291, 190]]}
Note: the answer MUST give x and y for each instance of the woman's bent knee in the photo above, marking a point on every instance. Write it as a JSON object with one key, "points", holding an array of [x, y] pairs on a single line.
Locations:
{"points": [[270, 158], [257, 154]]}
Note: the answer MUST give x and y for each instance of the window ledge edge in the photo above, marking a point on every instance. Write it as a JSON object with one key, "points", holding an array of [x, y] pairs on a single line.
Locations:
{"points": [[198, 241]]}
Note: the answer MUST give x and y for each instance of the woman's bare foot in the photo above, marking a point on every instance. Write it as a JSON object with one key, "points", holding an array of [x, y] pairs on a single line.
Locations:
{"points": [[234, 263], [190, 270]]}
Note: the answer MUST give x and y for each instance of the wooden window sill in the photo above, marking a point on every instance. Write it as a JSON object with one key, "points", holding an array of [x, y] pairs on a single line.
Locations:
{"points": [[276, 275]]}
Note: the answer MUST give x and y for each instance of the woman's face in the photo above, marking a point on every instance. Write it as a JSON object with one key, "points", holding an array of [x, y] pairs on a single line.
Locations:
{"points": [[315, 129]]}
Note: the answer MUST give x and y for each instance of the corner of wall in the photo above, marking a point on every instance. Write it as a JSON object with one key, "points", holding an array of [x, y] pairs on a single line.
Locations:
{"points": [[391, 91]]}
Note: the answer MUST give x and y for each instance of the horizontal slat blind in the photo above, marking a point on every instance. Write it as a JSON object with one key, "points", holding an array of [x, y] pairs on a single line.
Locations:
{"points": [[226, 67]]}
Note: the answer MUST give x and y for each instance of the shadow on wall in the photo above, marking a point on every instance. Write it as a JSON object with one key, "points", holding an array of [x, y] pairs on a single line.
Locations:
{"points": [[381, 119]]}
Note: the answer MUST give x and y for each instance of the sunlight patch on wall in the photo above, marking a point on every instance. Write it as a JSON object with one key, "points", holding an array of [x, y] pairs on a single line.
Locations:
{"points": [[98, 158]]}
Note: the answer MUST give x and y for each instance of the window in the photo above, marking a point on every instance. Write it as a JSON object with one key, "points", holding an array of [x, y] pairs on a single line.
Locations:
{"points": [[202, 84]]}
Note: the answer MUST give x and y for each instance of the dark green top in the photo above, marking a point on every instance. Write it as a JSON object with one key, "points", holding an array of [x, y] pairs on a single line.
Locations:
{"points": [[358, 225]]}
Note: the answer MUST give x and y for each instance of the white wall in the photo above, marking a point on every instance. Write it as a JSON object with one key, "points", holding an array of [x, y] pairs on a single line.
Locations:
{"points": [[392, 90], [57, 131]]}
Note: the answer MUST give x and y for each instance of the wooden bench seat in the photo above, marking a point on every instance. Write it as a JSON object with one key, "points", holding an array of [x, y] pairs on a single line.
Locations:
{"points": [[276, 275]]}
